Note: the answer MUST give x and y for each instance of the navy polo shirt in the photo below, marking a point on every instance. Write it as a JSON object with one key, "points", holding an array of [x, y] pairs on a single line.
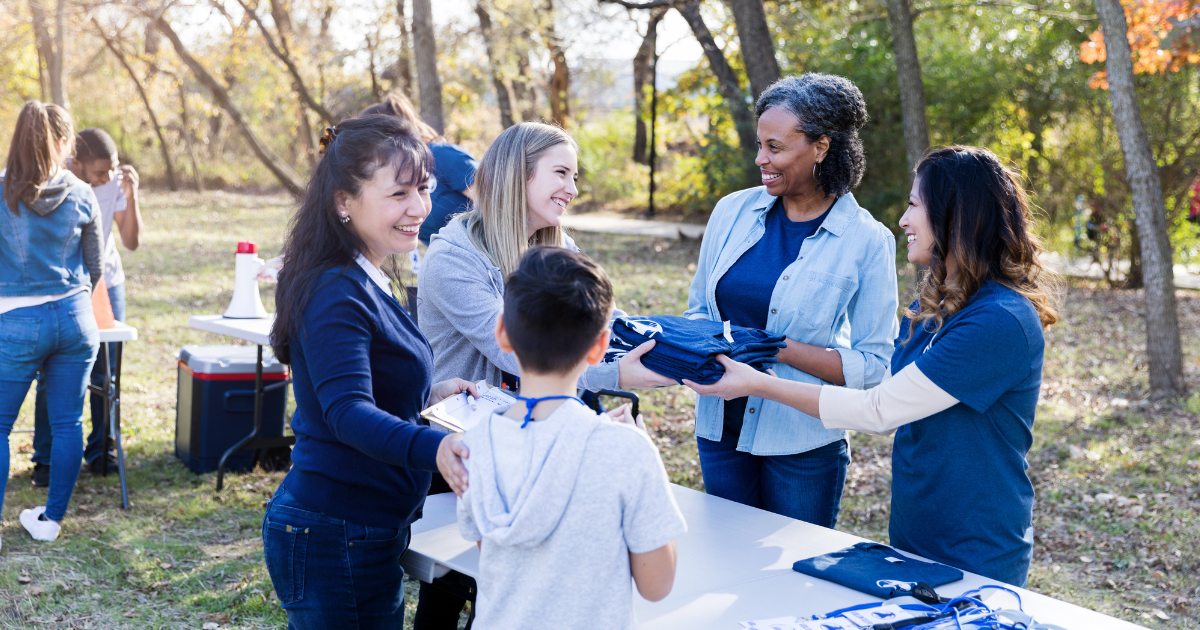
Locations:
{"points": [[960, 494], [744, 292]]}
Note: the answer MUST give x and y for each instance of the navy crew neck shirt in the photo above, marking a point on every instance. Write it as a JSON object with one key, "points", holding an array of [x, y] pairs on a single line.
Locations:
{"points": [[744, 292]]}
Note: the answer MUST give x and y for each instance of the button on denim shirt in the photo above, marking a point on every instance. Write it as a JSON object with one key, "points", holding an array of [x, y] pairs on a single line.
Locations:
{"points": [[839, 293]]}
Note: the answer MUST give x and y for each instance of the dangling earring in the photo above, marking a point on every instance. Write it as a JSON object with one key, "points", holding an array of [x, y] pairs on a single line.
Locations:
{"points": [[345, 218], [817, 170]]}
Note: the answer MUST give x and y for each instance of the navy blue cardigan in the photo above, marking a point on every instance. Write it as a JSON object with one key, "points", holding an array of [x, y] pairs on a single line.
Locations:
{"points": [[361, 373]]}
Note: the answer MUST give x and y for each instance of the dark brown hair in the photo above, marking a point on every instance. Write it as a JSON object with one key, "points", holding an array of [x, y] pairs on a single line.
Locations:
{"points": [[317, 241], [980, 215], [33, 154], [397, 104], [555, 305]]}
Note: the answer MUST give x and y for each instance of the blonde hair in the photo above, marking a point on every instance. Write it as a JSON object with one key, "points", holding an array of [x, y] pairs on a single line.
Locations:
{"points": [[500, 221], [33, 154]]}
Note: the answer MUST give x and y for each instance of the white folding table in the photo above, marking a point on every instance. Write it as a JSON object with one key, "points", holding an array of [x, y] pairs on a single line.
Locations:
{"points": [[258, 332], [112, 344], [735, 564]]}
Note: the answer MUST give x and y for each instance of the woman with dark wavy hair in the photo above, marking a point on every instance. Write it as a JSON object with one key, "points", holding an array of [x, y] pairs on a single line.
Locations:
{"points": [[965, 376], [334, 532], [798, 257]]}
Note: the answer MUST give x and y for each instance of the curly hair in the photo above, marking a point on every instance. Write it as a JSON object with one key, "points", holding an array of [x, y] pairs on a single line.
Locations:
{"points": [[980, 215], [825, 105]]}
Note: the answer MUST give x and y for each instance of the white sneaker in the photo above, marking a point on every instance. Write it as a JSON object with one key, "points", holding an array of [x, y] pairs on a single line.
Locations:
{"points": [[46, 531]]}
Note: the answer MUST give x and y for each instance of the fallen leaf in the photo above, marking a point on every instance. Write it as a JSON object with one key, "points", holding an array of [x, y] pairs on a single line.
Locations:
{"points": [[166, 565], [37, 590], [24, 579], [1160, 614], [130, 614], [159, 584], [217, 617], [272, 596], [96, 596], [1086, 559], [1158, 575], [210, 626]]}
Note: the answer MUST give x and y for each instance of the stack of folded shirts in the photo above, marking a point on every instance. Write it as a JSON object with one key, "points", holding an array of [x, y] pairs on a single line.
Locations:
{"points": [[688, 348]]}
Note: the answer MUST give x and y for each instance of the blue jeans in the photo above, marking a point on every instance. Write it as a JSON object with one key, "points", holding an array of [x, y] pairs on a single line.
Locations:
{"points": [[805, 486], [329, 573], [59, 338], [43, 437]]}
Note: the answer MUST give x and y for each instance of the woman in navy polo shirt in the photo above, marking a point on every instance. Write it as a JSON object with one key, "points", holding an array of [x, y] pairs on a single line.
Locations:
{"points": [[965, 376], [334, 532]]}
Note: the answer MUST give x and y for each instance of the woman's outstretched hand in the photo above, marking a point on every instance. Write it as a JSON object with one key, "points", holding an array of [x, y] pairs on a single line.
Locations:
{"points": [[634, 375], [739, 380], [450, 455], [450, 387]]}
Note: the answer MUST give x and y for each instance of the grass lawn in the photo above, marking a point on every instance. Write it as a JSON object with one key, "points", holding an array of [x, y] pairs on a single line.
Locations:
{"points": [[1118, 479]]}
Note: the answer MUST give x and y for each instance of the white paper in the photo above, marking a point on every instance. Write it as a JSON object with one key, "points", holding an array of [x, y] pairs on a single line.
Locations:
{"points": [[779, 623], [884, 614], [826, 624], [462, 412]]}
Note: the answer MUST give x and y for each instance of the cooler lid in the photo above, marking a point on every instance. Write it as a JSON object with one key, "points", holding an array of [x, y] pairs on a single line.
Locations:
{"points": [[228, 360]]}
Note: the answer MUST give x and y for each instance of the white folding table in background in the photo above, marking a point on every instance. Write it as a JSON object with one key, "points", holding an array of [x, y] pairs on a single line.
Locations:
{"points": [[258, 332], [734, 564], [112, 344]]}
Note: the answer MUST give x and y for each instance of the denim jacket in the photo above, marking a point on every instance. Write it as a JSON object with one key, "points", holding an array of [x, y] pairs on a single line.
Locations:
{"points": [[54, 245], [839, 293]]}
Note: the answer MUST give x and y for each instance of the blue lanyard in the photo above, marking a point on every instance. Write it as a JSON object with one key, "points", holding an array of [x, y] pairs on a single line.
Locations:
{"points": [[530, 403]]}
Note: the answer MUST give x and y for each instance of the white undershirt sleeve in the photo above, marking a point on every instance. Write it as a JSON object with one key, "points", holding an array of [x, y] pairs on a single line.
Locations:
{"points": [[906, 397]]}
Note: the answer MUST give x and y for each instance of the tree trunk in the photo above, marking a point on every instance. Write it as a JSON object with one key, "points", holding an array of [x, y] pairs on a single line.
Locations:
{"points": [[58, 85], [404, 63], [425, 51], [282, 51], [141, 90], [375, 91], [560, 80], [278, 167], [50, 57], [495, 62], [197, 178], [522, 85], [908, 75], [641, 69], [727, 82], [1163, 348], [757, 44]]}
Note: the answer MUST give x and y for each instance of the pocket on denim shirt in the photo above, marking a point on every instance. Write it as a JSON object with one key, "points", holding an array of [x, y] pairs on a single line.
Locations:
{"points": [[824, 296], [19, 336], [285, 548]]}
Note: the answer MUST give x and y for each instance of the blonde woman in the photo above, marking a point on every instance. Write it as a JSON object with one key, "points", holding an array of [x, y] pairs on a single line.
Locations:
{"points": [[525, 183]]}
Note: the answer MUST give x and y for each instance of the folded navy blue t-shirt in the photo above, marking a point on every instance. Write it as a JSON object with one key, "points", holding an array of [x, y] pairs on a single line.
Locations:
{"points": [[688, 349], [877, 570]]}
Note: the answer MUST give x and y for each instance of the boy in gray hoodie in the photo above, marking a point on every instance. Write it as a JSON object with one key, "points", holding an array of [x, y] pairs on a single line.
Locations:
{"points": [[566, 504]]}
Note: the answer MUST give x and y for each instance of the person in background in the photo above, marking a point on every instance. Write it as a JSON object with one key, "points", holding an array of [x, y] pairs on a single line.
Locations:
{"points": [[615, 518], [962, 389], [362, 372], [50, 261], [116, 188], [453, 167], [800, 258]]}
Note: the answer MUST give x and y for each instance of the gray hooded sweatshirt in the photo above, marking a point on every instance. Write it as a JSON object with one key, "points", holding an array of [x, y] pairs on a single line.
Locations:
{"points": [[51, 196], [559, 506], [461, 295]]}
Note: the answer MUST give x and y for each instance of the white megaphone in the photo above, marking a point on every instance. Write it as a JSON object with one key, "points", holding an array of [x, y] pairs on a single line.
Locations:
{"points": [[246, 304]]}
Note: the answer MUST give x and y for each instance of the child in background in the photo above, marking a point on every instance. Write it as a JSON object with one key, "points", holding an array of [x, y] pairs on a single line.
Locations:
{"points": [[116, 188], [562, 499]]}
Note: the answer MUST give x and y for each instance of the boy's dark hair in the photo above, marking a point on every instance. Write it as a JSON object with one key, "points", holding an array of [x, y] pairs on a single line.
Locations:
{"points": [[93, 144], [555, 305]]}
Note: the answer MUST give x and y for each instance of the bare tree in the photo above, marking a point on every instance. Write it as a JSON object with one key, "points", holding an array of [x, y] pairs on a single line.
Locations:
{"points": [[186, 131], [376, 91], [641, 70], [757, 44], [51, 48], [277, 166], [496, 63], [141, 90], [1163, 348], [560, 80], [404, 62], [282, 51], [908, 74], [425, 51]]}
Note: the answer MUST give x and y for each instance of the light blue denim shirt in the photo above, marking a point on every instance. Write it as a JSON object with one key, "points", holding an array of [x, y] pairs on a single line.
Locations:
{"points": [[839, 293]]}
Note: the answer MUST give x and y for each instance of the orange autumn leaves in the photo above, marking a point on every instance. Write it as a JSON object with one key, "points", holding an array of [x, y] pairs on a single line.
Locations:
{"points": [[1163, 35]]}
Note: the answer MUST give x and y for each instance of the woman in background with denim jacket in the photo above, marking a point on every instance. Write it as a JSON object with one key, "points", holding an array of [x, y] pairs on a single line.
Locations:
{"points": [[797, 257], [50, 260]]}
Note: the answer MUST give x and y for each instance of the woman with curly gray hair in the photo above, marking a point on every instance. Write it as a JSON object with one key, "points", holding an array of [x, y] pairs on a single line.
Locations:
{"points": [[799, 257]]}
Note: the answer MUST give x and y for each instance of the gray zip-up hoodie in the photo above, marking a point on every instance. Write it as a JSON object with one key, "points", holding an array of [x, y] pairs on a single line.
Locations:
{"points": [[461, 293], [52, 196]]}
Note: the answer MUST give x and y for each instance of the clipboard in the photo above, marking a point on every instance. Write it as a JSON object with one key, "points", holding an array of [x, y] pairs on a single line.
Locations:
{"points": [[461, 412]]}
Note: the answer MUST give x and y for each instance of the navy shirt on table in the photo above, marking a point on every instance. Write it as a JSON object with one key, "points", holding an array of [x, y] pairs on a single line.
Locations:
{"points": [[960, 494], [744, 292], [454, 170], [361, 373]]}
